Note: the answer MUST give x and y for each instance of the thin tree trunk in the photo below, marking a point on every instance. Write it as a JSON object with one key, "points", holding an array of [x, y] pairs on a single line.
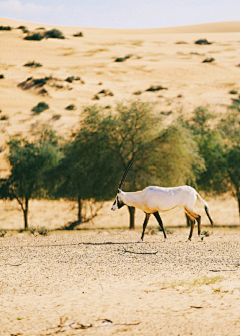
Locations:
{"points": [[25, 214], [79, 210], [131, 217], [238, 198]]}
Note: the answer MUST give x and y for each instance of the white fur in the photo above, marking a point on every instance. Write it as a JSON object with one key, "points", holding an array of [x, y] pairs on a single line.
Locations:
{"points": [[152, 199]]}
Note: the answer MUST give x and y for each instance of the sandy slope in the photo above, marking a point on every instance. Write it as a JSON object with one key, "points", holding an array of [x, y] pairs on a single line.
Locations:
{"points": [[157, 58]]}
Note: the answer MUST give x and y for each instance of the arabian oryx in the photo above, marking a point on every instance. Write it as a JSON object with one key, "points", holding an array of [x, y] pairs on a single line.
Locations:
{"points": [[153, 200]]}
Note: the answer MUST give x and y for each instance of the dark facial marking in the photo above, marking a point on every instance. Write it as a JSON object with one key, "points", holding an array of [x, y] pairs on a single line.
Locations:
{"points": [[120, 204]]}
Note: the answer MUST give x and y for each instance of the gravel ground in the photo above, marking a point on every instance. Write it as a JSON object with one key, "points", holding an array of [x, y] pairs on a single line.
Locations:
{"points": [[104, 283]]}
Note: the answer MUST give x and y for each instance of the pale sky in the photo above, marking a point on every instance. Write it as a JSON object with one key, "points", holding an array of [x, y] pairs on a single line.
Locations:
{"points": [[121, 14]]}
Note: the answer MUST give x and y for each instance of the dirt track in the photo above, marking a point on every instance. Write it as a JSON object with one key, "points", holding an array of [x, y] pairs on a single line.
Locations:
{"points": [[172, 288]]}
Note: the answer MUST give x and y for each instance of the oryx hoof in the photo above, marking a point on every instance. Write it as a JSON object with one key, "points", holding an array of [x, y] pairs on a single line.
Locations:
{"points": [[165, 240], [140, 241]]}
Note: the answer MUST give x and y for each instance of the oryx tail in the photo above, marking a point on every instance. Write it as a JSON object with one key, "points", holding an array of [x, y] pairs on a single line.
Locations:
{"points": [[205, 207]]}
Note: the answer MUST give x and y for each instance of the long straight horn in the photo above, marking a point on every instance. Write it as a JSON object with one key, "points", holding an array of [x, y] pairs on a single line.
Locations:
{"points": [[126, 172]]}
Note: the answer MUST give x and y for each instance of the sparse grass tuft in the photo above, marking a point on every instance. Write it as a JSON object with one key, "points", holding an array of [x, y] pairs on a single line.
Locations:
{"points": [[42, 230], [2, 233]]}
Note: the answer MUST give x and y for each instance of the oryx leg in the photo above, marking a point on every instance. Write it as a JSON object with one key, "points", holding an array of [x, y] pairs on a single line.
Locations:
{"points": [[145, 224], [192, 215], [159, 219]]}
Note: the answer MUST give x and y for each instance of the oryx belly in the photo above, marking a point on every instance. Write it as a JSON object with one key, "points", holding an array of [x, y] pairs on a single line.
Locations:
{"points": [[164, 199]]}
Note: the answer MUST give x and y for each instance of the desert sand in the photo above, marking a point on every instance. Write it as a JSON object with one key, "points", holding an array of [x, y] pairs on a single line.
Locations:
{"points": [[71, 283], [97, 280]]}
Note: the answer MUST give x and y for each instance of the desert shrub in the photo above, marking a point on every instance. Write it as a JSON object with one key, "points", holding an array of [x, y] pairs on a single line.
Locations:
{"points": [[5, 28], [42, 230], [202, 42], [56, 117], [2, 232], [71, 107], [137, 93], [120, 59], [233, 92], [54, 33], [34, 37], [80, 34], [40, 108], [33, 64], [156, 88], [96, 97], [23, 28], [40, 81], [32, 229], [70, 79], [208, 60], [4, 117], [106, 93], [2, 76]]}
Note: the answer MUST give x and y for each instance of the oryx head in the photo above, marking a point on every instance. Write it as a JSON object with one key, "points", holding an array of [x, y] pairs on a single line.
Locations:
{"points": [[118, 203]]}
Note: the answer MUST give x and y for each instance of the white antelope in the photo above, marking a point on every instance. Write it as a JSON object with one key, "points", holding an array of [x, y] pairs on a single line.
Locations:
{"points": [[153, 200]]}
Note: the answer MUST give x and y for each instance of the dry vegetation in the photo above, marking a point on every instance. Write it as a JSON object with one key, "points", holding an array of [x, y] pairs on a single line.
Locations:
{"points": [[69, 281]]}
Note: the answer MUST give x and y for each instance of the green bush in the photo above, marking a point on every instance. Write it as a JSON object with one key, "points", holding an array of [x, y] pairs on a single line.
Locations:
{"points": [[208, 60], [120, 59], [70, 79], [2, 76], [5, 28], [233, 92], [34, 37], [202, 41], [4, 117], [23, 28], [71, 107], [54, 33], [40, 108]]}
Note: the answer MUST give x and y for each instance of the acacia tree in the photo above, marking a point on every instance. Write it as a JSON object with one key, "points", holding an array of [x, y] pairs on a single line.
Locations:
{"points": [[230, 131], [219, 146], [99, 152], [162, 156], [86, 171], [29, 161]]}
